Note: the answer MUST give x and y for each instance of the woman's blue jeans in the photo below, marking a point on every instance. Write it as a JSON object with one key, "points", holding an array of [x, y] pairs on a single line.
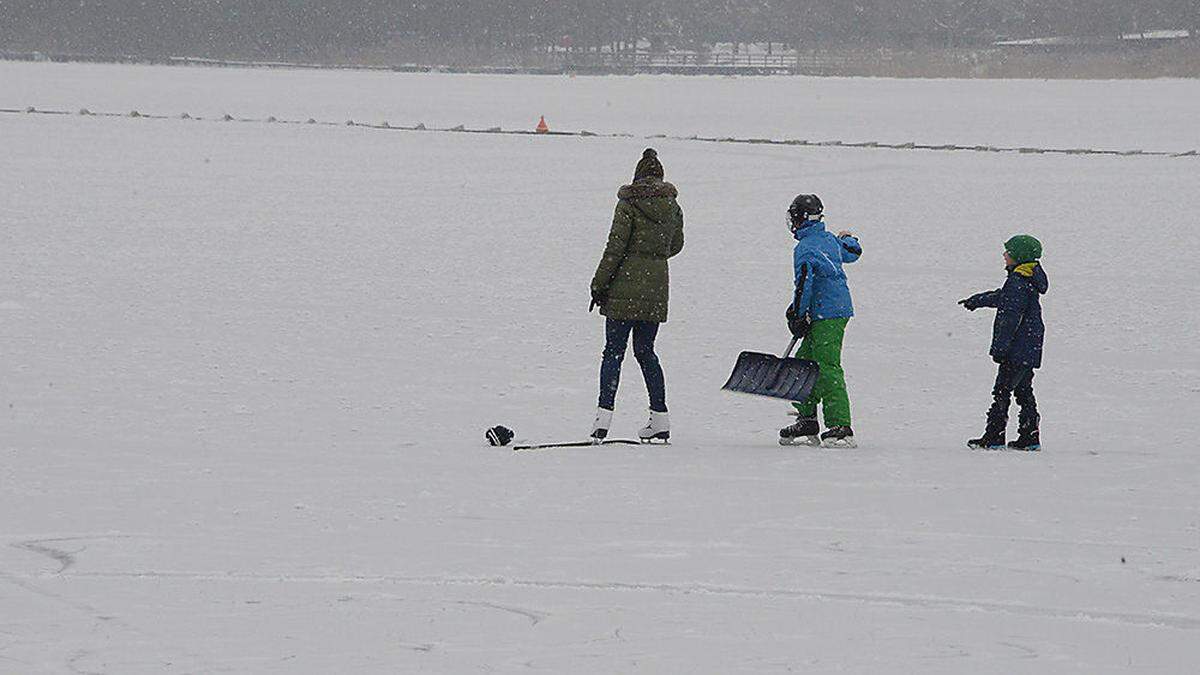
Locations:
{"points": [[616, 339]]}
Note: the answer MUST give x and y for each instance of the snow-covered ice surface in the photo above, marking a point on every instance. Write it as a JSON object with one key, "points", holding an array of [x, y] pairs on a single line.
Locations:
{"points": [[245, 371]]}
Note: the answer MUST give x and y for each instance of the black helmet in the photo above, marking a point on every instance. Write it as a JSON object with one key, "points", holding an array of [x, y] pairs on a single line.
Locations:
{"points": [[805, 207]]}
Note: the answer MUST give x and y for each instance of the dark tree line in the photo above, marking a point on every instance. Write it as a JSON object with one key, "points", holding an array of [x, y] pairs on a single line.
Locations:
{"points": [[291, 28]]}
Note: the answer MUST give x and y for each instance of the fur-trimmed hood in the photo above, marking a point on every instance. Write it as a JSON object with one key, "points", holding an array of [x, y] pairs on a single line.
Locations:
{"points": [[649, 188]]}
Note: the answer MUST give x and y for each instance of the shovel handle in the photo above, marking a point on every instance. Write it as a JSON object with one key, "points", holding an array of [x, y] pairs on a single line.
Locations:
{"points": [[791, 346]]}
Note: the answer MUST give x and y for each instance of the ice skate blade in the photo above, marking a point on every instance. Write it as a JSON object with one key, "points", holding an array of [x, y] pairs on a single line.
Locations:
{"points": [[987, 448], [800, 441], [841, 444]]}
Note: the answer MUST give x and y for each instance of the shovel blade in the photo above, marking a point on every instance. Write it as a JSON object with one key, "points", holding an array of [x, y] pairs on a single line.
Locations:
{"points": [[768, 375]]}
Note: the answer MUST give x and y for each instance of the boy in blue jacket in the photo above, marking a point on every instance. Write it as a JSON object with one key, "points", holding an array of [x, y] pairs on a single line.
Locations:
{"points": [[820, 309], [1017, 337]]}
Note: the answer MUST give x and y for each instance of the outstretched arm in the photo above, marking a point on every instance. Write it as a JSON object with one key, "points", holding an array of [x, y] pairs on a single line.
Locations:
{"points": [[984, 299]]}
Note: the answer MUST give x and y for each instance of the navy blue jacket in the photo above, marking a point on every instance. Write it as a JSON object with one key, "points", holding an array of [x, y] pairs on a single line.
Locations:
{"points": [[1018, 332]]}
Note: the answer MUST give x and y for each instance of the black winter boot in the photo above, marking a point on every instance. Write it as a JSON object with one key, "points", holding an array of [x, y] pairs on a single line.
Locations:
{"points": [[989, 441], [1029, 441]]}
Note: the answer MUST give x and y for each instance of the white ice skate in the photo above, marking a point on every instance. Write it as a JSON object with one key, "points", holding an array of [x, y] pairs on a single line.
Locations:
{"points": [[601, 425], [657, 429]]}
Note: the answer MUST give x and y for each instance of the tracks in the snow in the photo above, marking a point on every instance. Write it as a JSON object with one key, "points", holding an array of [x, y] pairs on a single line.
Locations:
{"points": [[927, 602], [42, 547]]}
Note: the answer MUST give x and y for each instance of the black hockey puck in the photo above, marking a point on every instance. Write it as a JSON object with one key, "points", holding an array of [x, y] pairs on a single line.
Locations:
{"points": [[499, 436]]}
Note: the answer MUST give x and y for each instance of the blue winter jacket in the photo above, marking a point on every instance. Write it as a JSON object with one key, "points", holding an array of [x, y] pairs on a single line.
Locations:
{"points": [[821, 289], [1018, 333]]}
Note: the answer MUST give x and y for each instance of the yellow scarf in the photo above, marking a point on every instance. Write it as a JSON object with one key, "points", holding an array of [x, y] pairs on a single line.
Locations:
{"points": [[1026, 270]]}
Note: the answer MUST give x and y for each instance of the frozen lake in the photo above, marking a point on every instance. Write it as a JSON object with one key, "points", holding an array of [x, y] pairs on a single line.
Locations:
{"points": [[1117, 114], [245, 370]]}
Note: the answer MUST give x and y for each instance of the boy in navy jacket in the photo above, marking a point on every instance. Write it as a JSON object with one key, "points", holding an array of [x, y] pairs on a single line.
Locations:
{"points": [[1017, 337]]}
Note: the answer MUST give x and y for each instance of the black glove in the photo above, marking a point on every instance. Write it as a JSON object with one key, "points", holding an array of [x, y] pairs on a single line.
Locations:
{"points": [[798, 325], [598, 300], [499, 436], [970, 303]]}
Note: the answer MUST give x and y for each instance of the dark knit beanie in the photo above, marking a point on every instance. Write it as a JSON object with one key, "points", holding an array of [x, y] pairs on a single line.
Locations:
{"points": [[648, 166], [1023, 248]]}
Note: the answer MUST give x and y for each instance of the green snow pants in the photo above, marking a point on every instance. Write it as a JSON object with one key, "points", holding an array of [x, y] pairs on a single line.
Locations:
{"points": [[824, 345]]}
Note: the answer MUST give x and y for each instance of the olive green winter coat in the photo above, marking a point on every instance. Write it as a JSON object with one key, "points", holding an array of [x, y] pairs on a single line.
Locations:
{"points": [[647, 229]]}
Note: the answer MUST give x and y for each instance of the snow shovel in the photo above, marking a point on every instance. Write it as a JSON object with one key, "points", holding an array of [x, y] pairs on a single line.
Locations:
{"points": [[768, 375]]}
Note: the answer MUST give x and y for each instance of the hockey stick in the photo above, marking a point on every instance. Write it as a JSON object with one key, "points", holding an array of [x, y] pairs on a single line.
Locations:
{"points": [[574, 444]]}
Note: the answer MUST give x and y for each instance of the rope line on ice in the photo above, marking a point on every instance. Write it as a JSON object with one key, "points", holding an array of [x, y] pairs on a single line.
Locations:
{"points": [[868, 145]]}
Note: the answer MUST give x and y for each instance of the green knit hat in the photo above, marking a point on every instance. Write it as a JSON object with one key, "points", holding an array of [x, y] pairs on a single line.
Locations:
{"points": [[1023, 248], [648, 166]]}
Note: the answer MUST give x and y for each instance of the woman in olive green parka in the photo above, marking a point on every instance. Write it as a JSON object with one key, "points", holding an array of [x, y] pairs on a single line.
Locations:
{"points": [[631, 288]]}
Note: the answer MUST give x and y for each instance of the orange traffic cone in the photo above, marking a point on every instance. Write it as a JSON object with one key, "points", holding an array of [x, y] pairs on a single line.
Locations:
{"points": [[542, 127]]}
